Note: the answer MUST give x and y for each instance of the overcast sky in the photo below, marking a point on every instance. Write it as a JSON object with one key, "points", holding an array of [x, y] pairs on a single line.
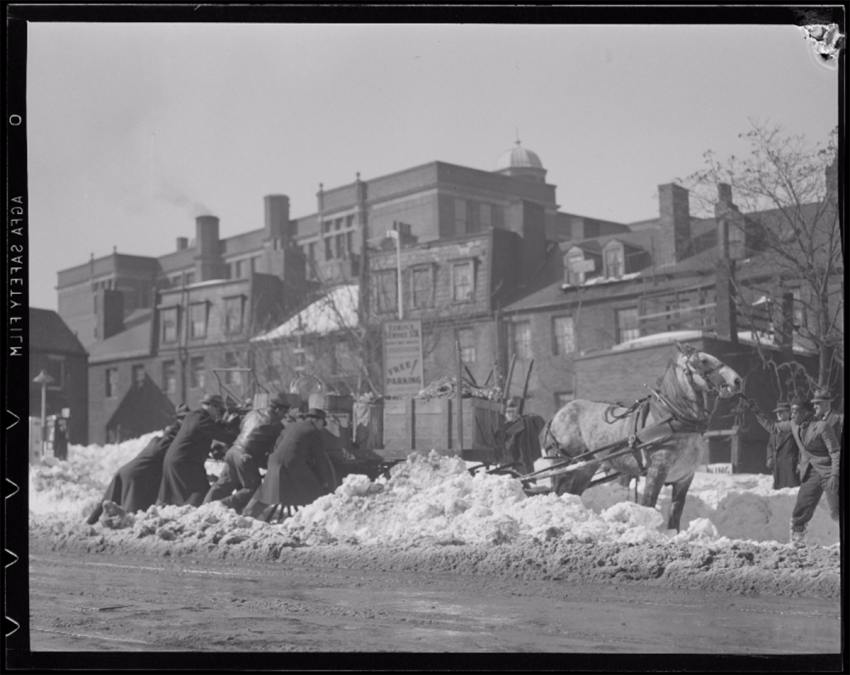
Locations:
{"points": [[135, 129]]}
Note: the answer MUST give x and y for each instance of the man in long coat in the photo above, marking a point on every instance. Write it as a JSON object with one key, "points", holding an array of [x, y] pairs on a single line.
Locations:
{"points": [[783, 455], [184, 478], [297, 473], [135, 485], [248, 454], [820, 456]]}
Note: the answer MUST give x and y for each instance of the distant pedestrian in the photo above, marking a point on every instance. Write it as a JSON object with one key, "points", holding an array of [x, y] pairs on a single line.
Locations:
{"points": [[184, 478], [783, 454], [822, 401], [820, 456], [135, 485], [297, 473], [248, 454]]}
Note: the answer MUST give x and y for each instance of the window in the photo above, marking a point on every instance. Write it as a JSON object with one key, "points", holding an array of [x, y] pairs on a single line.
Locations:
{"points": [[463, 281], [485, 216], [562, 398], [329, 254], [168, 321], [466, 337], [189, 278], [169, 377], [233, 314], [563, 335], [56, 369], [198, 320], [197, 372], [349, 242], [339, 243], [311, 250], [627, 324], [239, 269], [111, 382], [349, 221], [386, 288], [422, 280], [460, 216], [231, 360], [577, 267], [521, 339], [614, 265], [799, 310], [139, 376]]}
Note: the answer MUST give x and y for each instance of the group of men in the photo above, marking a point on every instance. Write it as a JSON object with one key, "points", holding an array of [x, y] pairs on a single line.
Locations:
{"points": [[170, 469], [804, 451]]}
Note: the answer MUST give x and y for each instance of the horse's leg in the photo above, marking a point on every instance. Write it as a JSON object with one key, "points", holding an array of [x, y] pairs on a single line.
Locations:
{"points": [[575, 482], [677, 502], [655, 476]]}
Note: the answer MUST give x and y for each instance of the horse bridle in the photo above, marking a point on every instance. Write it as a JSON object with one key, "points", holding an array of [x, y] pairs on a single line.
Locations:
{"points": [[692, 364]]}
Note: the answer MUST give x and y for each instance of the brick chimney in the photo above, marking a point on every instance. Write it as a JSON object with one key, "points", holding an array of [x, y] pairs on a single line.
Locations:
{"points": [[277, 219], [533, 239], [675, 222], [182, 243], [208, 264], [731, 234]]}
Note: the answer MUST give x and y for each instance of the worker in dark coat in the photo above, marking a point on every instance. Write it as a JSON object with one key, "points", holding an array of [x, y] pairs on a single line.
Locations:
{"points": [[820, 465], [248, 454], [184, 478], [297, 473], [135, 485], [783, 455]]}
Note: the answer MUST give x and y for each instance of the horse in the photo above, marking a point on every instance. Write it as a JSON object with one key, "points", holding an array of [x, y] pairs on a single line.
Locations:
{"points": [[653, 437]]}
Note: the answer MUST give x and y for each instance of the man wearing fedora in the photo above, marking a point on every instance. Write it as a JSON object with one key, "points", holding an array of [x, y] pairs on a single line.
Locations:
{"points": [[297, 467], [184, 478], [135, 485], [248, 454], [819, 465], [783, 455], [822, 400]]}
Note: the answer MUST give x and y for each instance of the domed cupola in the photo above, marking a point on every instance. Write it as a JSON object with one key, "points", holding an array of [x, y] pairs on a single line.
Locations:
{"points": [[520, 162]]}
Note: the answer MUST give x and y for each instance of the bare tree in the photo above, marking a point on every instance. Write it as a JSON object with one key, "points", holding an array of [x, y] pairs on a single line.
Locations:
{"points": [[786, 199]]}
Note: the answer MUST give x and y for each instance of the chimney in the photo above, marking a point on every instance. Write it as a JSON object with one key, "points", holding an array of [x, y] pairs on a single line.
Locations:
{"points": [[533, 239], [675, 222], [182, 243], [277, 219], [208, 263], [731, 235]]}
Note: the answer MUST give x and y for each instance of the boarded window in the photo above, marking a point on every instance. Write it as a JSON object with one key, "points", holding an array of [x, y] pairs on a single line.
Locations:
{"points": [[422, 279], [386, 291]]}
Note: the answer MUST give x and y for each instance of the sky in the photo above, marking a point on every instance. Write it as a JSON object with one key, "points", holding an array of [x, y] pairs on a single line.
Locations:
{"points": [[135, 129]]}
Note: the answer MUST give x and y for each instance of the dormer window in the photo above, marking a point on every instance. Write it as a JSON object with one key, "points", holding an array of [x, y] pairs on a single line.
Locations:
{"points": [[614, 258], [576, 267]]}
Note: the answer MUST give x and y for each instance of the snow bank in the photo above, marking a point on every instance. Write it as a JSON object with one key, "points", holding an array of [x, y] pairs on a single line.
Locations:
{"points": [[432, 499]]}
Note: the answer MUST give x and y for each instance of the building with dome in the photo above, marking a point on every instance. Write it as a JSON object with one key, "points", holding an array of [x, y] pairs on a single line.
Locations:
{"points": [[472, 241]]}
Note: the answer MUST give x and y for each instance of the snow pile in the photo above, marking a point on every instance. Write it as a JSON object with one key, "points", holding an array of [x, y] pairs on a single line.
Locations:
{"points": [[435, 499]]}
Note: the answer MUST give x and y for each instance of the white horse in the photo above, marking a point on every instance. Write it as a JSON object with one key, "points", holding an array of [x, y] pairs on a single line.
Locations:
{"points": [[651, 437]]}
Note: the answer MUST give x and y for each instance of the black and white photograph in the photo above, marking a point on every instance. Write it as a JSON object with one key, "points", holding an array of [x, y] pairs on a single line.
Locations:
{"points": [[420, 339]]}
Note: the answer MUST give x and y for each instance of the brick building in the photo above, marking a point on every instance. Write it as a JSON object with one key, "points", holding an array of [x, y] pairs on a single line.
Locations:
{"points": [[54, 349]]}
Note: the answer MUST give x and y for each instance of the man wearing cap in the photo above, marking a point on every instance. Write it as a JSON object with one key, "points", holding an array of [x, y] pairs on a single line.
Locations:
{"points": [[296, 467], [135, 485], [249, 453], [184, 478], [819, 464], [822, 400], [783, 455]]}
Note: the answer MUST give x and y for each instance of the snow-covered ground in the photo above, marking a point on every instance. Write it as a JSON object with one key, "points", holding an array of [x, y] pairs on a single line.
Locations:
{"points": [[430, 499]]}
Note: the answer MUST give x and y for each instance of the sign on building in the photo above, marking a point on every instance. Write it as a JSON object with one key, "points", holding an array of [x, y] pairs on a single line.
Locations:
{"points": [[403, 358]]}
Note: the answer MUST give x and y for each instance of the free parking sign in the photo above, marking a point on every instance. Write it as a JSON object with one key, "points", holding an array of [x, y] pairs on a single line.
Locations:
{"points": [[403, 358]]}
